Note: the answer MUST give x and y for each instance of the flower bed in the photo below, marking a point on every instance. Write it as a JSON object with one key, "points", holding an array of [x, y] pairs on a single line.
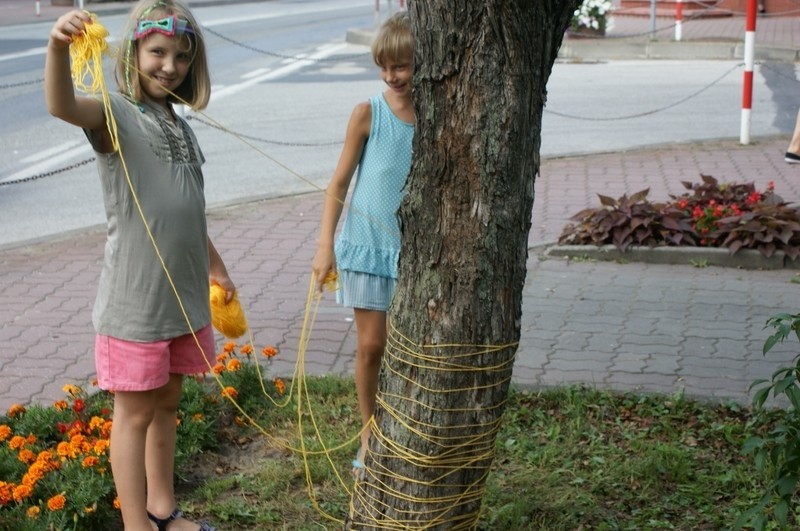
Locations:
{"points": [[54, 460], [731, 216]]}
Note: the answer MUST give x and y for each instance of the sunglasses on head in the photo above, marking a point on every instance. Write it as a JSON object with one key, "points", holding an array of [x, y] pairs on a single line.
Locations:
{"points": [[169, 26]]}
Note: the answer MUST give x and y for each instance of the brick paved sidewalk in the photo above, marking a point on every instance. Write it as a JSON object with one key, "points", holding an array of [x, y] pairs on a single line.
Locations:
{"points": [[622, 326]]}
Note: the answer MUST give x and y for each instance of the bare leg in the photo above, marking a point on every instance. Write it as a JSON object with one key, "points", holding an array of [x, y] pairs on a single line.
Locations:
{"points": [[794, 144], [160, 449], [133, 412], [371, 327]]}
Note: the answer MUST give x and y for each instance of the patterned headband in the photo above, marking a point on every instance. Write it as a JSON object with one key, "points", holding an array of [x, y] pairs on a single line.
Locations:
{"points": [[168, 26]]}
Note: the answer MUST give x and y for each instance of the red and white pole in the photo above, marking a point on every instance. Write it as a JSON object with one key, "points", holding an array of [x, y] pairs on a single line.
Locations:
{"points": [[678, 20], [749, 61]]}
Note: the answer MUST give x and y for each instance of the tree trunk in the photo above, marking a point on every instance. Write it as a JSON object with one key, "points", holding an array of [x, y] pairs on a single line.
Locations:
{"points": [[481, 68]]}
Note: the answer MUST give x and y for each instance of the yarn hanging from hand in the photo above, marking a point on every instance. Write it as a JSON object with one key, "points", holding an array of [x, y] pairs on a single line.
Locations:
{"points": [[227, 317]]}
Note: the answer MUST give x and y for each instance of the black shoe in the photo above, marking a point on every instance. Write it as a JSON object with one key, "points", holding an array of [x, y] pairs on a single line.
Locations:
{"points": [[791, 158]]}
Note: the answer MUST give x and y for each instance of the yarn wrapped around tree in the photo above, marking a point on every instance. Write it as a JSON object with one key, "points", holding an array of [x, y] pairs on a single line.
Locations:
{"points": [[227, 317]]}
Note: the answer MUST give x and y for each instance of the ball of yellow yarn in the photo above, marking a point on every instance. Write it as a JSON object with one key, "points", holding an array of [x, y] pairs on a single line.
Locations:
{"points": [[228, 318]]}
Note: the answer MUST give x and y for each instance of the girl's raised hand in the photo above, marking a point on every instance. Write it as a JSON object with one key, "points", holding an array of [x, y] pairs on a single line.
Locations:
{"points": [[67, 27]]}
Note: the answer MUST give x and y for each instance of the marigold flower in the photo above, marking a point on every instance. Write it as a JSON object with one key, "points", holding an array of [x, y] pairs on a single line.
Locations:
{"points": [[89, 461], [230, 392], [6, 493], [78, 405], [62, 428], [247, 349], [197, 417], [683, 203], [32, 512], [269, 352], [116, 503], [71, 389], [22, 492], [222, 357], [90, 510], [26, 456], [57, 502], [16, 410], [229, 346], [35, 473], [5, 432], [234, 365], [60, 405], [97, 423], [218, 368], [17, 442], [280, 387], [101, 446]]}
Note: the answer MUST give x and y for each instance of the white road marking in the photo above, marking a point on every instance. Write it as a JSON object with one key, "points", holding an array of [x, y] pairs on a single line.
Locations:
{"points": [[279, 72], [55, 150]]}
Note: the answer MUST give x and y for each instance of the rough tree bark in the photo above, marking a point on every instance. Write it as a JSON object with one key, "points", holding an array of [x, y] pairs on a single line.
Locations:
{"points": [[481, 69]]}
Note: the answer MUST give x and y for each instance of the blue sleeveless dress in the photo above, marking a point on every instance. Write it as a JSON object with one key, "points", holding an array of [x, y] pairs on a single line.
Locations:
{"points": [[369, 244]]}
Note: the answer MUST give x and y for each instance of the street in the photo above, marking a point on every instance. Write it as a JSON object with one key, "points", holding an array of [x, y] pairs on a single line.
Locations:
{"points": [[285, 82]]}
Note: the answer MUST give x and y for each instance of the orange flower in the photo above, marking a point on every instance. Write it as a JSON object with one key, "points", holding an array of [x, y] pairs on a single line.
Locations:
{"points": [[90, 510], [269, 352], [280, 387], [32, 512], [89, 461], [16, 410], [57, 502], [30, 439], [247, 349], [97, 423], [222, 357], [60, 405], [17, 442], [230, 392], [71, 389], [22, 492], [229, 346], [5, 432], [6, 493], [234, 365], [116, 503], [218, 368], [26, 456], [101, 446], [197, 417]]}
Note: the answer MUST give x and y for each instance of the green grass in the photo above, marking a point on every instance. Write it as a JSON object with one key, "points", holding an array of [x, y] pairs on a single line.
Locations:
{"points": [[567, 458]]}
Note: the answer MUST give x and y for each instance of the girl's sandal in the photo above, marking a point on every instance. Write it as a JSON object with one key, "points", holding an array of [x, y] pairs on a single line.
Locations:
{"points": [[358, 465], [163, 523]]}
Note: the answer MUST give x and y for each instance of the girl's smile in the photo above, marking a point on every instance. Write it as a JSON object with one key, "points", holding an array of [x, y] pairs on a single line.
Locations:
{"points": [[164, 63]]}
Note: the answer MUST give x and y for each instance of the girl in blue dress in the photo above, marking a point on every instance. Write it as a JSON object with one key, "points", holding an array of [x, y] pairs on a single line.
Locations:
{"points": [[378, 143]]}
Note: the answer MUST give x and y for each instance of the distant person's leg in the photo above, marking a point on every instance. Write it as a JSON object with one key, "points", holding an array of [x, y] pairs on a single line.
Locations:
{"points": [[793, 151]]}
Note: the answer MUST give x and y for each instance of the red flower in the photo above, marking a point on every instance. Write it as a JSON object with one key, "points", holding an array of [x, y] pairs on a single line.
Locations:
{"points": [[78, 405], [683, 203]]}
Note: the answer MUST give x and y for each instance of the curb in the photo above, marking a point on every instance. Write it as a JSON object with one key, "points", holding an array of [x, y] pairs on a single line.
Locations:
{"points": [[695, 256], [610, 49]]}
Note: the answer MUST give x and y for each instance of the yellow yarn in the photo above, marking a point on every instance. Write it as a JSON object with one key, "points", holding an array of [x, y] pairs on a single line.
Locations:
{"points": [[228, 318], [86, 53]]}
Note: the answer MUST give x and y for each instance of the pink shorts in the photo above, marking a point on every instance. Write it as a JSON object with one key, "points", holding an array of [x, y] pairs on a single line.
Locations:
{"points": [[137, 366]]}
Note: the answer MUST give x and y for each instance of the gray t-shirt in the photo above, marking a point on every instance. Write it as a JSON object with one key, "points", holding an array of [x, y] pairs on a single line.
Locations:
{"points": [[135, 300]]}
